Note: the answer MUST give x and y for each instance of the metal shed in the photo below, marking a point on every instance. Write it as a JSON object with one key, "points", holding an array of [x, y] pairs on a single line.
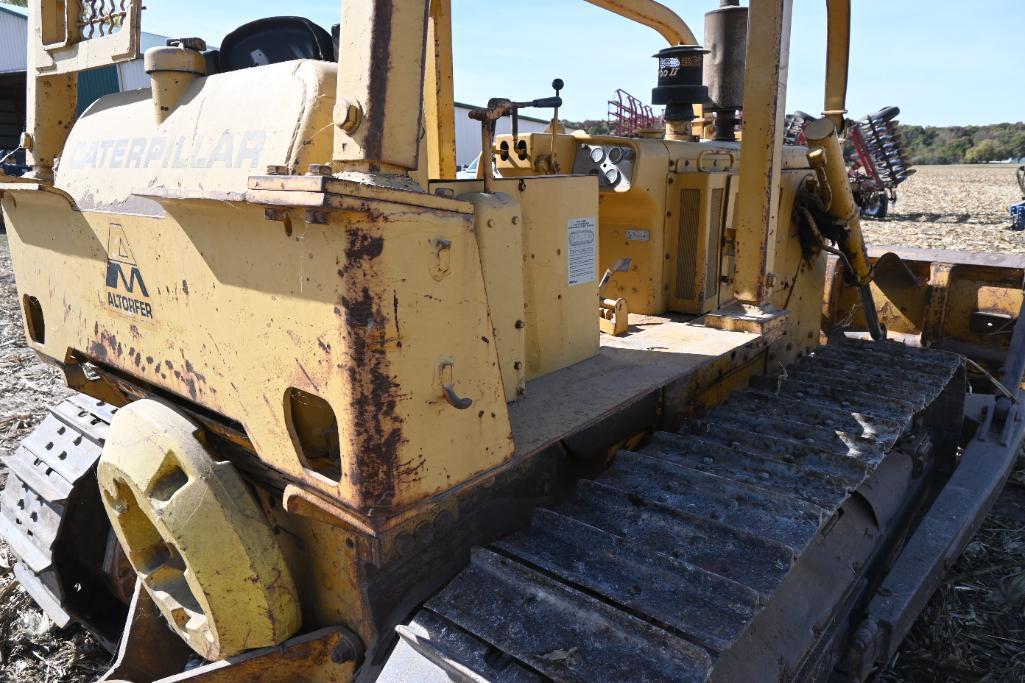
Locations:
{"points": [[13, 32], [91, 85]]}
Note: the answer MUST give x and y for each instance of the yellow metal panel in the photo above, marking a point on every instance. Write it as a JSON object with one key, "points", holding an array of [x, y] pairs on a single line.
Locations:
{"points": [[499, 228], [632, 226], [561, 318], [439, 93], [367, 306], [765, 88], [221, 134], [562, 325], [381, 73]]}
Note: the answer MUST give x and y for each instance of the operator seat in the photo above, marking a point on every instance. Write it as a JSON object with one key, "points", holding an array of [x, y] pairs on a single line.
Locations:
{"points": [[270, 41]]}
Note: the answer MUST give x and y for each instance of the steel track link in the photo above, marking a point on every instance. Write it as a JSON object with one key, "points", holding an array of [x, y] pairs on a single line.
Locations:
{"points": [[658, 567], [48, 475]]}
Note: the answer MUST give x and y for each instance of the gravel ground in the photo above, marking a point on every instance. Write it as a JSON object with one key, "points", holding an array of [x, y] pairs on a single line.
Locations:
{"points": [[972, 630]]}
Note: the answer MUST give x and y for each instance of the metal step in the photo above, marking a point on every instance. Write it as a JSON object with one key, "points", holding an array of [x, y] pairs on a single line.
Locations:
{"points": [[658, 566], [41, 484]]}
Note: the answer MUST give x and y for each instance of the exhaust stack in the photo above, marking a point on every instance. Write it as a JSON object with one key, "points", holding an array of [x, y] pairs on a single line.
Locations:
{"points": [[726, 42]]}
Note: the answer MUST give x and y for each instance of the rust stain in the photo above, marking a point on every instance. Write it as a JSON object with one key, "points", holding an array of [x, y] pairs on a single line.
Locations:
{"points": [[395, 307], [375, 392], [191, 378], [106, 347], [380, 66]]}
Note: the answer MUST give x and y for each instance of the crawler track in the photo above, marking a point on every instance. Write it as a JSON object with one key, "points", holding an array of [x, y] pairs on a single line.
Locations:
{"points": [[50, 515], [673, 561]]}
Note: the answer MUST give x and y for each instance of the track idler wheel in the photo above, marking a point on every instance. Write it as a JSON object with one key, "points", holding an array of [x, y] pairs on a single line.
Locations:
{"points": [[195, 535]]}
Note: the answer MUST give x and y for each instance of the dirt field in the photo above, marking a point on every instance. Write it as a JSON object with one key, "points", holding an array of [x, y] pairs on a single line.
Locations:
{"points": [[972, 630], [953, 207]]}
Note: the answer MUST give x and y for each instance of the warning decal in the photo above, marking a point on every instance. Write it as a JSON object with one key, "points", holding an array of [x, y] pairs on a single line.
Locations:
{"points": [[583, 250]]}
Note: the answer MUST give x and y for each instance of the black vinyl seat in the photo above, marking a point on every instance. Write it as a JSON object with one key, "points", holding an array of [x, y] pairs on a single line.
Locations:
{"points": [[270, 41]]}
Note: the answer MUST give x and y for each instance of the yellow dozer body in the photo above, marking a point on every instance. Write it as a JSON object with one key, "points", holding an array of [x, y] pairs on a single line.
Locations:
{"points": [[619, 409]]}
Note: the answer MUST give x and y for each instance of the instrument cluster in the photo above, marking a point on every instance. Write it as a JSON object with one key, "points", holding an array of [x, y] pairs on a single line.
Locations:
{"points": [[613, 164]]}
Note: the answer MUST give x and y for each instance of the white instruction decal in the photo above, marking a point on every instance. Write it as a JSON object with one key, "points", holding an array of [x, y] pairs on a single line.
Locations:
{"points": [[638, 236], [583, 251]]}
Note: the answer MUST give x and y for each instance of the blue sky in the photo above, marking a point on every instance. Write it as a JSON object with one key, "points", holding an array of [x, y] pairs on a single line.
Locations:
{"points": [[944, 62]]}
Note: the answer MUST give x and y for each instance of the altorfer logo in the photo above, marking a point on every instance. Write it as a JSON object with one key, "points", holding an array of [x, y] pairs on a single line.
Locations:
{"points": [[123, 274]]}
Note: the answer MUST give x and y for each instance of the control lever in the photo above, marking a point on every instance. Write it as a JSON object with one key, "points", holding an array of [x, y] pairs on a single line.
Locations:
{"points": [[497, 108], [620, 266], [613, 314]]}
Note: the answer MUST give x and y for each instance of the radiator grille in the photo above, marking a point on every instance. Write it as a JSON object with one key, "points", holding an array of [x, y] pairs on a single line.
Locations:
{"points": [[687, 246]]}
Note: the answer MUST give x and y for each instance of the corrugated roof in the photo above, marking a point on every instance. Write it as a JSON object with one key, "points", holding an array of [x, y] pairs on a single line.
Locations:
{"points": [[14, 9], [13, 39]]}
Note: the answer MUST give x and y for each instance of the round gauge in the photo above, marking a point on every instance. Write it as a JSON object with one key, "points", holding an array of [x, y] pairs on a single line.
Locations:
{"points": [[612, 176], [597, 155], [616, 155]]}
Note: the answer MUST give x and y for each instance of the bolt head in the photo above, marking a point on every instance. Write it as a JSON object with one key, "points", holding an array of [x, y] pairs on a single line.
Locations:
{"points": [[348, 115], [344, 652]]}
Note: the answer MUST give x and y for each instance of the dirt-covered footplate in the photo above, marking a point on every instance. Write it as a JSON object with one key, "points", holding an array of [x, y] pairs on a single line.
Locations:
{"points": [[44, 483], [656, 568]]}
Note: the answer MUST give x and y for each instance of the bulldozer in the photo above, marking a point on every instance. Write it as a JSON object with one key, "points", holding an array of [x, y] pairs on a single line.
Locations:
{"points": [[340, 416]]}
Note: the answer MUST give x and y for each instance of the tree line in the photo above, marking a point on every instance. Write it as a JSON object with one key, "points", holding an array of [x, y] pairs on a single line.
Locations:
{"points": [[965, 144], [929, 144]]}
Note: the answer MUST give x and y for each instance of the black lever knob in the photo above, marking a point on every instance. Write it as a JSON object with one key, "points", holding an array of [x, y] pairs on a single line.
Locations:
{"points": [[547, 103]]}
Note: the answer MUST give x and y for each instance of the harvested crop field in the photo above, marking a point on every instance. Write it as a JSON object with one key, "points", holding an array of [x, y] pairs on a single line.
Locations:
{"points": [[953, 207], [972, 630]]}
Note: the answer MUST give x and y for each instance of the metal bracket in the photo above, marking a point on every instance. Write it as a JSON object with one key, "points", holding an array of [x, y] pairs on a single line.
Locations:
{"points": [[445, 372]]}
